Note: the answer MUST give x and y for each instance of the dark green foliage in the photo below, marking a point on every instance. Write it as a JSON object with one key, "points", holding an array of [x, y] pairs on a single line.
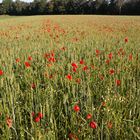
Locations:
{"points": [[5, 6]]}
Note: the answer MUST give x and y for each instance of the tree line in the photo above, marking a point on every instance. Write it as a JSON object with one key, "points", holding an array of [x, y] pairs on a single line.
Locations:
{"points": [[49, 7]]}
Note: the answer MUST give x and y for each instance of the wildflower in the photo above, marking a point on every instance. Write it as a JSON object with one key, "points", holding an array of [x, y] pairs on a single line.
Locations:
{"points": [[74, 65], [103, 104], [93, 124], [126, 40], [40, 115], [81, 62], [110, 56], [17, 60], [97, 52], [85, 68], [27, 64], [118, 82], [37, 119], [49, 65], [9, 122], [76, 108], [107, 62], [72, 136], [101, 77], [111, 71], [69, 77], [121, 49], [92, 66], [130, 57], [109, 125], [33, 114], [33, 86], [89, 116], [123, 53], [1, 72], [74, 69], [51, 59], [29, 58], [78, 80], [52, 54], [51, 76]]}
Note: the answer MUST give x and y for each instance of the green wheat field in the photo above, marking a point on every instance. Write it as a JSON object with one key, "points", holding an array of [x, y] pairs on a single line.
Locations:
{"points": [[70, 78]]}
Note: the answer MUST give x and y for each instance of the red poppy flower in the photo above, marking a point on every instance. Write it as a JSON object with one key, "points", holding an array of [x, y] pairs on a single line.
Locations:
{"points": [[48, 30], [74, 65], [1, 72], [118, 82], [97, 52], [70, 135], [93, 124], [109, 125], [121, 49], [110, 56], [78, 80], [29, 58], [126, 40], [101, 77], [81, 62], [123, 53], [51, 59], [27, 64], [85, 68], [33, 86], [130, 57], [69, 77], [9, 122], [33, 114], [74, 69], [107, 62], [52, 54], [73, 136], [92, 66], [37, 119], [40, 115], [103, 104], [89, 116], [76, 108], [51, 76], [111, 71], [17, 60]]}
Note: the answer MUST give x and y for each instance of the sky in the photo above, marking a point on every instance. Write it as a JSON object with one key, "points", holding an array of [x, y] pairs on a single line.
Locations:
{"points": [[20, 0]]}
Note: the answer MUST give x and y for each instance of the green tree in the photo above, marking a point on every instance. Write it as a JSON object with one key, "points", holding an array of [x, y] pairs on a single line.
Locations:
{"points": [[119, 4], [6, 4], [41, 6], [49, 7], [18, 8], [112, 8]]}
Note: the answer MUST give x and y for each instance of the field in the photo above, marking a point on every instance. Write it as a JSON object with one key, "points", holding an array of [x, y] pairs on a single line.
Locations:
{"points": [[70, 78]]}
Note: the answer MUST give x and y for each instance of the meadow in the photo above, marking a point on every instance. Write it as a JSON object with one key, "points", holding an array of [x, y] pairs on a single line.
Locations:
{"points": [[70, 78]]}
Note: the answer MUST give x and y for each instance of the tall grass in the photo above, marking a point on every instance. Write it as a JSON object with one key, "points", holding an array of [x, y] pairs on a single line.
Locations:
{"points": [[51, 64]]}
